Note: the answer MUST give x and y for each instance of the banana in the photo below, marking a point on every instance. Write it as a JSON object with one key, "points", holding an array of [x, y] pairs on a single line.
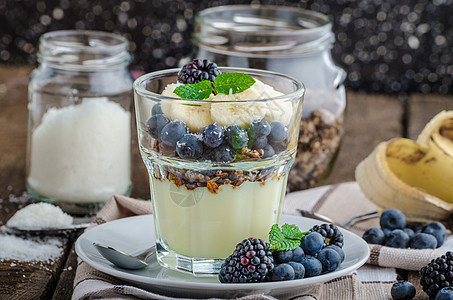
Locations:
{"points": [[414, 176], [402, 174], [195, 114], [278, 110]]}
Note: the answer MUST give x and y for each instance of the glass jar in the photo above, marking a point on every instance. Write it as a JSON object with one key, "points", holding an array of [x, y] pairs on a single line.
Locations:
{"points": [[295, 42], [79, 130]]}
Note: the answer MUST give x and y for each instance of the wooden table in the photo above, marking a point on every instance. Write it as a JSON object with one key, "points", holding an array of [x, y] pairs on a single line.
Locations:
{"points": [[370, 119]]}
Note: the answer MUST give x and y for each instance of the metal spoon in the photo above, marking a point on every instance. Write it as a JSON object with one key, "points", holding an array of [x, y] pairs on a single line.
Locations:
{"points": [[124, 260], [349, 223], [47, 230]]}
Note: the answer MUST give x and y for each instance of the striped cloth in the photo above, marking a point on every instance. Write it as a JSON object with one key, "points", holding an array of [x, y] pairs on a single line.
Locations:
{"points": [[339, 202]]}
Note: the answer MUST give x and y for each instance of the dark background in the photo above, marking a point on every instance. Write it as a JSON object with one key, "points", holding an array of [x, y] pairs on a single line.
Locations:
{"points": [[386, 46]]}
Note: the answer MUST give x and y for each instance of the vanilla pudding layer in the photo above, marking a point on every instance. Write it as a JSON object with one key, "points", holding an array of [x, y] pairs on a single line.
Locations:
{"points": [[205, 216]]}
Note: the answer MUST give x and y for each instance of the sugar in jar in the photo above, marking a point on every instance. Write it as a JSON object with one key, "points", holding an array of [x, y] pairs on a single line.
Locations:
{"points": [[79, 131]]}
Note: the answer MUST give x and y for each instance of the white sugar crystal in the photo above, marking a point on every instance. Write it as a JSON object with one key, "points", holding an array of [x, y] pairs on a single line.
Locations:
{"points": [[40, 215], [16, 248]]}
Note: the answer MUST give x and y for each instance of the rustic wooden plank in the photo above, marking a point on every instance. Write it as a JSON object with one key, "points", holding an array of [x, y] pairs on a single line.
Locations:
{"points": [[422, 107], [64, 287], [369, 119]]}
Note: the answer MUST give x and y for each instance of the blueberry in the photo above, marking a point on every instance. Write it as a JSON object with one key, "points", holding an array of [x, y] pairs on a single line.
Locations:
{"points": [[338, 250], [298, 253], [299, 269], [423, 241], [312, 265], [403, 290], [259, 143], [397, 239], [173, 132], [393, 219], [409, 232], [438, 230], [278, 133], [236, 136], [283, 256], [415, 226], [279, 146], [282, 272], [329, 259], [386, 232], [445, 293], [374, 235], [157, 109], [312, 242], [268, 151], [189, 147], [213, 135], [224, 153], [155, 124], [258, 128]]}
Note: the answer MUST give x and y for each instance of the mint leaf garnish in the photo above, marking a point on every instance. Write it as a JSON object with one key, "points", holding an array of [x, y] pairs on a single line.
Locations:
{"points": [[286, 238], [197, 91], [234, 82]]}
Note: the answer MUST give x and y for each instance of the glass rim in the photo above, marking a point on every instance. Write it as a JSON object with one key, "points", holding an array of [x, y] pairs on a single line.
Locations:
{"points": [[299, 92], [323, 20]]}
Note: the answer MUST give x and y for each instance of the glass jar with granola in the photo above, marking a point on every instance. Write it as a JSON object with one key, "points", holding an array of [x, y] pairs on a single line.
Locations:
{"points": [[292, 41]]}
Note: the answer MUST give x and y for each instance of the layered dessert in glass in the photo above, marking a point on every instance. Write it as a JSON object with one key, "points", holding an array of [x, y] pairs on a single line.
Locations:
{"points": [[218, 144]]}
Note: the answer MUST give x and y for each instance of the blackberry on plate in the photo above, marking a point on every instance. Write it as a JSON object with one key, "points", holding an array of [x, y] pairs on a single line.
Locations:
{"points": [[250, 262], [198, 70], [403, 290], [437, 274], [332, 235]]}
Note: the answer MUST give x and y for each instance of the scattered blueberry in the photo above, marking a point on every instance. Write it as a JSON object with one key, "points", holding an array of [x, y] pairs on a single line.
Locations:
{"points": [[282, 272], [437, 230], [445, 293], [268, 151], [189, 147], [155, 124], [329, 259], [299, 269], [278, 133], [156, 110], [393, 219], [374, 235], [403, 290], [312, 265], [397, 239], [312, 242], [283, 256], [415, 226], [386, 232], [173, 132], [236, 136], [423, 241], [409, 232], [298, 253], [224, 153], [259, 143], [338, 250], [213, 135]]}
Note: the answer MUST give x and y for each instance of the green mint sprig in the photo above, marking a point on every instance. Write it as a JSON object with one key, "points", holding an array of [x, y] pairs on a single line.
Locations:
{"points": [[286, 238], [223, 84]]}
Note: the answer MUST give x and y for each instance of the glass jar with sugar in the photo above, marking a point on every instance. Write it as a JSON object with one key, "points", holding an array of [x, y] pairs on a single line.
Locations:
{"points": [[79, 129], [295, 42]]}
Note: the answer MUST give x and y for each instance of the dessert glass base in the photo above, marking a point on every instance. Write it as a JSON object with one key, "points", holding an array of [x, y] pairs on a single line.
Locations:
{"points": [[85, 209], [202, 210]]}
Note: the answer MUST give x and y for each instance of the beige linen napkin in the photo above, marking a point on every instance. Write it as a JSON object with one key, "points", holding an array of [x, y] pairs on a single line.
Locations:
{"points": [[339, 202]]}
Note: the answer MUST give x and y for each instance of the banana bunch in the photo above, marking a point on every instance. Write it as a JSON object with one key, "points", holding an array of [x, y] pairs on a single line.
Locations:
{"points": [[414, 176]]}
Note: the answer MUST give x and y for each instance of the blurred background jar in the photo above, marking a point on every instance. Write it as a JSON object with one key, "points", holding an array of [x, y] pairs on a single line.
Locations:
{"points": [[292, 41], [79, 131]]}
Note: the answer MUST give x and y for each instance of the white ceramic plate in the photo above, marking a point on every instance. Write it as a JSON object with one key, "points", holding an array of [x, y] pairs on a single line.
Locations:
{"points": [[137, 233]]}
